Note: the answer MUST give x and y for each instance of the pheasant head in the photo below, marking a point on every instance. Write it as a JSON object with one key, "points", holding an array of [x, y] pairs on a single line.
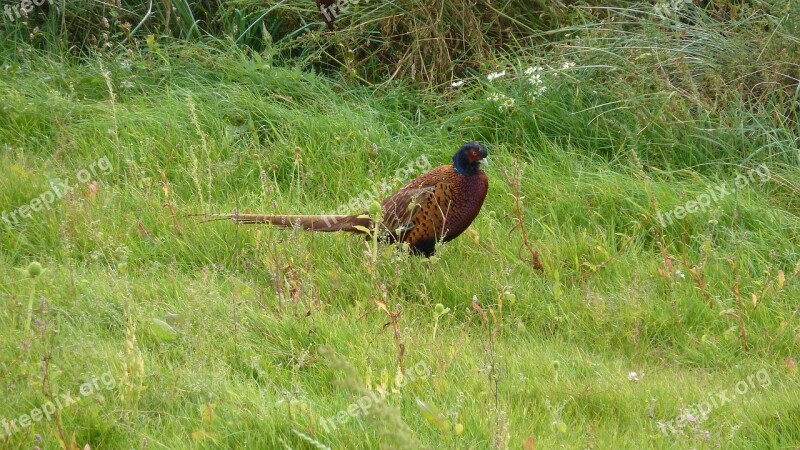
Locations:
{"points": [[469, 157]]}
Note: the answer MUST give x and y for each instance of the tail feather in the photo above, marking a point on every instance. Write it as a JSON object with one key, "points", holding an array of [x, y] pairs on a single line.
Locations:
{"points": [[356, 223]]}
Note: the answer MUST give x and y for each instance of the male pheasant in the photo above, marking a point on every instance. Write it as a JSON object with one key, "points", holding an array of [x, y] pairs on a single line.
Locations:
{"points": [[436, 206]]}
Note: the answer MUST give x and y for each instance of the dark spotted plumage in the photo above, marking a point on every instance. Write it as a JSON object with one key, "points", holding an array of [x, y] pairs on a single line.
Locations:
{"points": [[436, 206], [443, 203]]}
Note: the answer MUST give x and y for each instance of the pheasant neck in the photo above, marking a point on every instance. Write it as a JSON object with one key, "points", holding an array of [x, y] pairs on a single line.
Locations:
{"points": [[465, 168]]}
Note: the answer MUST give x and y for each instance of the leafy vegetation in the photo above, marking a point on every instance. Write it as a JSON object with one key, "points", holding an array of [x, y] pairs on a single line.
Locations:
{"points": [[656, 319]]}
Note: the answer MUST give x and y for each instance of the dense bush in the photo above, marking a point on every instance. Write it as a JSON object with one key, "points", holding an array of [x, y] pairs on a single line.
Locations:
{"points": [[684, 83]]}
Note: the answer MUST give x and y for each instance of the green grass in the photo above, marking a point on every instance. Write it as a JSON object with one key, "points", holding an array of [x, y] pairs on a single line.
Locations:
{"points": [[222, 337]]}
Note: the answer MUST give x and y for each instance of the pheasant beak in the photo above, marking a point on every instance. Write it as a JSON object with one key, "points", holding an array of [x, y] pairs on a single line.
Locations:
{"points": [[484, 161]]}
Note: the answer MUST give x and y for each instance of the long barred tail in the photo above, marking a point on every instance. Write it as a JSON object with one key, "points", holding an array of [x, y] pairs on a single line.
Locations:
{"points": [[356, 223]]}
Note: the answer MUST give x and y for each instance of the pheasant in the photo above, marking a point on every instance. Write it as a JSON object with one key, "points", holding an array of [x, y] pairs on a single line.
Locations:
{"points": [[436, 206]]}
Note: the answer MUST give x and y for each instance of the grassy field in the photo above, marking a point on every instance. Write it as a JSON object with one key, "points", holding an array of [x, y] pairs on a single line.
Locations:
{"points": [[656, 177]]}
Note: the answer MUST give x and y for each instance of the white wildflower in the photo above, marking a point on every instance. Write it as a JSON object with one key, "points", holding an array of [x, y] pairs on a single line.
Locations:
{"points": [[506, 102], [532, 70], [568, 65], [458, 83], [494, 75], [535, 79]]}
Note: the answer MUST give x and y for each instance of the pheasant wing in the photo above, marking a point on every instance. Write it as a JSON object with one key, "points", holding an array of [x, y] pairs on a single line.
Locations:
{"points": [[400, 209]]}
